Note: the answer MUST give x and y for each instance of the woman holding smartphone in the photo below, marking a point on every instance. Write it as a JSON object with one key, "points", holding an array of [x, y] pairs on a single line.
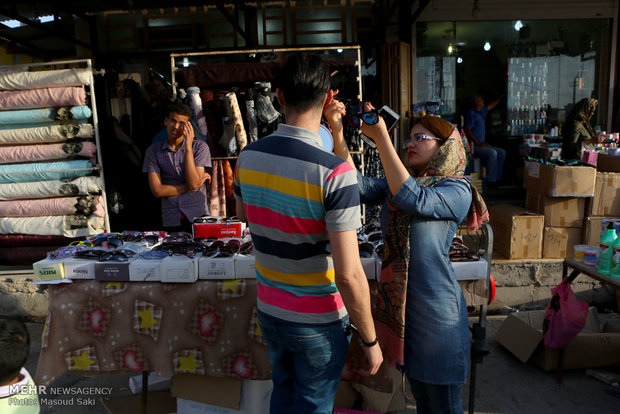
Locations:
{"points": [[421, 315]]}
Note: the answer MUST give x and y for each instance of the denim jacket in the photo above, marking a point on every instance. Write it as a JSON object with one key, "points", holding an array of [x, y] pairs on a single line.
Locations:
{"points": [[436, 321]]}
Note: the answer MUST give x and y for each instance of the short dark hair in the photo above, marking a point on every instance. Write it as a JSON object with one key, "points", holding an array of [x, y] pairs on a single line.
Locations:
{"points": [[304, 80], [14, 347], [179, 108]]}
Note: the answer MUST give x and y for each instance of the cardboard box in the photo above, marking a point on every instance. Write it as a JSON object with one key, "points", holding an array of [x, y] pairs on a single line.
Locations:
{"points": [[155, 383], [49, 269], [518, 233], [219, 267], [219, 230], [606, 200], [565, 181], [470, 270], [202, 394], [145, 270], [558, 242], [179, 269], [111, 271], [521, 334], [592, 228], [76, 268], [558, 211], [531, 172], [608, 163]]}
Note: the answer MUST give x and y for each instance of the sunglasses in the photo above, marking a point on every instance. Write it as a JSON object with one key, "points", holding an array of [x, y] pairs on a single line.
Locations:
{"points": [[420, 136], [178, 237], [91, 253], [366, 249], [154, 254], [118, 256], [107, 241], [206, 219], [370, 117]]}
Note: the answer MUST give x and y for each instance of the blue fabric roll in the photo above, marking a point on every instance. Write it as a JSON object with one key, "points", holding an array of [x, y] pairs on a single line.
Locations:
{"points": [[44, 171], [39, 124], [44, 115]]}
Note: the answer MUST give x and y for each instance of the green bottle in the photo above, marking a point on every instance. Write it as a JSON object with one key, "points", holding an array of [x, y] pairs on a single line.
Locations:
{"points": [[605, 259], [615, 261]]}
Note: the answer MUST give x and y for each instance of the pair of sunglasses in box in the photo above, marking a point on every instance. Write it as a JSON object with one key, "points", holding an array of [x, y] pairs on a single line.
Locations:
{"points": [[140, 237], [213, 219], [221, 248]]}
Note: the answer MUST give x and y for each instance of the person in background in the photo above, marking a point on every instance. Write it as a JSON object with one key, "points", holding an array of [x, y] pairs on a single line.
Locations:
{"points": [[17, 389], [475, 128], [177, 171], [302, 207], [577, 129], [421, 315]]}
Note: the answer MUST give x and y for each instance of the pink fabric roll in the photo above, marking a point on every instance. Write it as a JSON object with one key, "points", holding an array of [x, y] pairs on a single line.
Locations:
{"points": [[25, 153], [58, 206], [42, 98]]}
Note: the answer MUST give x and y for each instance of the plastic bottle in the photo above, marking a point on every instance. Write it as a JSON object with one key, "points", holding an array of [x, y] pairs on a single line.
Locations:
{"points": [[615, 261], [607, 241]]}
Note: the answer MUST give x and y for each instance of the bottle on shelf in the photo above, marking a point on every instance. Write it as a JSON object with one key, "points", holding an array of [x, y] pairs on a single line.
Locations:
{"points": [[615, 260], [606, 256]]}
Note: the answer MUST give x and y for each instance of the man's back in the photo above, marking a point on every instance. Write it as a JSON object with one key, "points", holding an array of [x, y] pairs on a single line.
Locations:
{"points": [[294, 192]]}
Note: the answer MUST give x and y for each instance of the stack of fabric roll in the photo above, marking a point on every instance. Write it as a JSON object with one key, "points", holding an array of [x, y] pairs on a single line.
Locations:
{"points": [[50, 184]]}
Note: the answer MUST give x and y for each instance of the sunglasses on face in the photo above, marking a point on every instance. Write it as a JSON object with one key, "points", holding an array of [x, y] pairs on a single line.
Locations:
{"points": [[419, 137]]}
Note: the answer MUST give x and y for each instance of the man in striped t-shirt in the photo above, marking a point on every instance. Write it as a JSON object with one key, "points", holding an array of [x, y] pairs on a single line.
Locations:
{"points": [[302, 206]]}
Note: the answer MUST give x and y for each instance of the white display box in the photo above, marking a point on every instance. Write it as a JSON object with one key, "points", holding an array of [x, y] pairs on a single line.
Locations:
{"points": [[113, 271], [49, 269], [76, 268], [245, 266], [156, 383], [470, 270], [255, 397], [369, 264], [216, 268], [179, 269], [145, 270]]}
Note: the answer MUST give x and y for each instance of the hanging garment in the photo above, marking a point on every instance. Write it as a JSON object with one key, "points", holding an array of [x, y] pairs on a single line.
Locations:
{"points": [[242, 140], [252, 122], [228, 141], [212, 109], [20, 240], [45, 79], [58, 206], [263, 103], [68, 226], [195, 103], [56, 188], [217, 194], [25, 153], [36, 116], [42, 98], [52, 133], [44, 171]]}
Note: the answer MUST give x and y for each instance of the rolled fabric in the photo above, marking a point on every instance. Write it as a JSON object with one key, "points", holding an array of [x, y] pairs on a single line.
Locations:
{"points": [[44, 171], [59, 206], [45, 79], [42, 98], [36, 116], [195, 103], [25, 153], [76, 122], [252, 122], [52, 133], [242, 139], [17, 240], [56, 188], [68, 226]]}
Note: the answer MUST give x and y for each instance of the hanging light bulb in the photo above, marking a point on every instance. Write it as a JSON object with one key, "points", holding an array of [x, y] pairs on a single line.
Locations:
{"points": [[185, 62], [450, 49], [487, 46], [518, 25], [459, 60]]}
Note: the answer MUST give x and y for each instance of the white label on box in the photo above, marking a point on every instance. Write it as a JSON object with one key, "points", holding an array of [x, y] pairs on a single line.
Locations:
{"points": [[76, 268], [145, 270], [49, 269], [245, 266], [179, 269], [216, 268]]}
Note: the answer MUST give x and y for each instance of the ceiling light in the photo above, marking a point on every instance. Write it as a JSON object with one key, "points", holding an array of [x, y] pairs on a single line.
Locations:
{"points": [[487, 46], [459, 60], [518, 25], [339, 50], [450, 49], [185, 62]]}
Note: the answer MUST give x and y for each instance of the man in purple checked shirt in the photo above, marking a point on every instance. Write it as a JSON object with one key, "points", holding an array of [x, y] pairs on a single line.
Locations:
{"points": [[178, 170]]}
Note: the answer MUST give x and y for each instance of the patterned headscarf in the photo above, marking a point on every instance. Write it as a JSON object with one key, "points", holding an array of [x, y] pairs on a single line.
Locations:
{"points": [[450, 161], [583, 111]]}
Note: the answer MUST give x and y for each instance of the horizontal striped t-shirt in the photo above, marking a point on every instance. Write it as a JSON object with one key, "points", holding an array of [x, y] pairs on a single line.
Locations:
{"points": [[293, 192]]}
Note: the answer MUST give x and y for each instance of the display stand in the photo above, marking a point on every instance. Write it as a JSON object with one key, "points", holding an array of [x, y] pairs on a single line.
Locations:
{"points": [[18, 80]]}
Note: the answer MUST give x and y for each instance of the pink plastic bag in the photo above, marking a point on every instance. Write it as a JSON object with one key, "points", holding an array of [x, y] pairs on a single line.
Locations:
{"points": [[565, 316]]}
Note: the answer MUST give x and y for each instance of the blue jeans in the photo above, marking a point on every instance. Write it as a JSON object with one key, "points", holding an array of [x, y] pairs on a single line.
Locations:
{"points": [[493, 159], [437, 399], [306, 362]]}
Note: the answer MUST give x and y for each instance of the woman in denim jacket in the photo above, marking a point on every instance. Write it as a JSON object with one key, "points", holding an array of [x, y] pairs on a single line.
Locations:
{"points": [[421, 315]]}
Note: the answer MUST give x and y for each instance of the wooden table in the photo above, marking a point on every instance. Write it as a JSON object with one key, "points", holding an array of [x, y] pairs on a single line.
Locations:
{"points": [[579, 267]]}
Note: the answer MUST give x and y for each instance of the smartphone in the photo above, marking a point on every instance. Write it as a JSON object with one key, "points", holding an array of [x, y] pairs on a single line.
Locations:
{"points": [[389, 117]]}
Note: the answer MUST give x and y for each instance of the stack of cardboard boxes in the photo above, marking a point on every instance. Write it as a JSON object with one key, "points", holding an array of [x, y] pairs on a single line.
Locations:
{"points": [[553, 219]]}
